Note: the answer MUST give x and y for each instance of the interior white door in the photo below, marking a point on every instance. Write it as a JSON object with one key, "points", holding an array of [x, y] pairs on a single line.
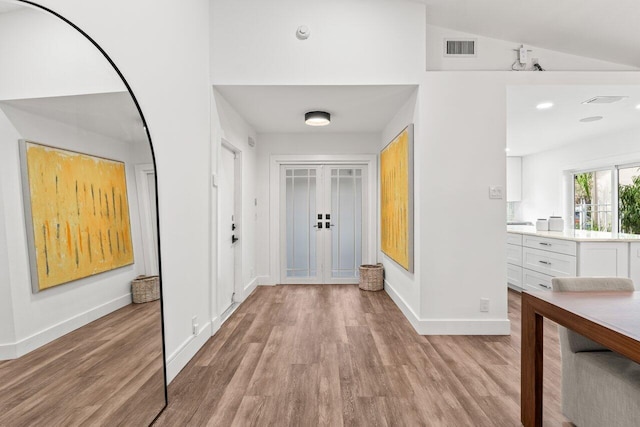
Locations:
{"points": [[227, 229], [322, 223]]}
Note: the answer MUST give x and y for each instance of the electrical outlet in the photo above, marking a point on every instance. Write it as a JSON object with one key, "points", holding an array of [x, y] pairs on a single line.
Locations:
{"points": [[194, 325], [484, 305]]}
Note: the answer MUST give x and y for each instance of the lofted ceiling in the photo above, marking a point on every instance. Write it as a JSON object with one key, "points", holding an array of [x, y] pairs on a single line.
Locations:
{"points": [[598, 29], [530, 130], [110, 114], [280, 109]]}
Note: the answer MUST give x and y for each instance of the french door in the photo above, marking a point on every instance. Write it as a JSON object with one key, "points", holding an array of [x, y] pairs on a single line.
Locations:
{"points": [[323, 223]]}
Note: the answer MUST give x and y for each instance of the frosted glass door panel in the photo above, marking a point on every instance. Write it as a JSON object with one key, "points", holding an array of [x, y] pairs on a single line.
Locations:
{"points": [[300, 201], [346, 222]]}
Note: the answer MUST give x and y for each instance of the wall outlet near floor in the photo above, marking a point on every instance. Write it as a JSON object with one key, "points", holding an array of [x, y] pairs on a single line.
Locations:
{"points": [[484, 305], [194, 325]]}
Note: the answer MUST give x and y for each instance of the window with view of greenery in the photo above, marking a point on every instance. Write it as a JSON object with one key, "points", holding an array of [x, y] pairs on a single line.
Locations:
{"points": [[595, 201], [592, 204], [629, 199]]}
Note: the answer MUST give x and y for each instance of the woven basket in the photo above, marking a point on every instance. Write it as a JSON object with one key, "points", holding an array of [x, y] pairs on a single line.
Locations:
{"points": [[145, 289], [371, 277]]}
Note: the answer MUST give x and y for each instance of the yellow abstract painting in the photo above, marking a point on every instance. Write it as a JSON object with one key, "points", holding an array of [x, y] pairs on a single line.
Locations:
{"points": [[77, 212], [396, 176]]}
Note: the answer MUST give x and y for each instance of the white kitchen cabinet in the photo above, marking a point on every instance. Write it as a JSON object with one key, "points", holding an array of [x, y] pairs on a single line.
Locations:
{"points": [[514, 179], [545, 255], [549, 263]]}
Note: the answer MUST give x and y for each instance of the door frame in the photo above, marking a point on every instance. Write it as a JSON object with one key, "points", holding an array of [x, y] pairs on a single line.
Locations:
{"points": [[149, 248], [278, 160], [237, 249]]}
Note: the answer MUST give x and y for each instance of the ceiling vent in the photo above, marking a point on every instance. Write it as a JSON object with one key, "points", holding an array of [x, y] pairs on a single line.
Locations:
{"points": [[460, 48], [604, 99]]}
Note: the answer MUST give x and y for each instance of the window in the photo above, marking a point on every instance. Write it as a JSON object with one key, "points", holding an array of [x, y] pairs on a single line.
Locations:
{"points": [[593, 206], [607, 199], [629, 199]]}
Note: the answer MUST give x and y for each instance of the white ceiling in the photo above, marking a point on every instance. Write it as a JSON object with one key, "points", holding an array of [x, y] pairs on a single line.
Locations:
{"points": [[606, 30], [530, 130], [109, 114], [9, 7], [280, 109]]}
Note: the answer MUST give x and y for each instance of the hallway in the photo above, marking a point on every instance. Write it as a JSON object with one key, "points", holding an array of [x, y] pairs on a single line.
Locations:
{"points": [[305, 355]]}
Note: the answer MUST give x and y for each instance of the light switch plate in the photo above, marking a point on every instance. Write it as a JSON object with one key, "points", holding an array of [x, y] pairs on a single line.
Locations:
{"points": [[495, 192]]}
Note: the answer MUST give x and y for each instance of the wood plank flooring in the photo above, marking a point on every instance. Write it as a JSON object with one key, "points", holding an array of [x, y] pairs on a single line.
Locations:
{"points": [[108, 372], [333, 355]]}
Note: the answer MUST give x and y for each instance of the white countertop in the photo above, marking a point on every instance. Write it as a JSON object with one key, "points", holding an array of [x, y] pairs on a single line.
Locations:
{"points": [[575, 235]]}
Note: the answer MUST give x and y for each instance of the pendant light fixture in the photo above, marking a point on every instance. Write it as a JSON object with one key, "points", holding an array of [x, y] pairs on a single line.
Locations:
{"points": [[317, 118]]}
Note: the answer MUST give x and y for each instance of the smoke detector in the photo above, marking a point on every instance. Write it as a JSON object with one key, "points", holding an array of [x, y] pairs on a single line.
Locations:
{"points": [[604, 99], [303, 32]]}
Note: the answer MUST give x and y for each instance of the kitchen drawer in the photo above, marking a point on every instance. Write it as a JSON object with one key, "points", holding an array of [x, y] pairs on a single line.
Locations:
{"points": [[549, 263], [514, 275], [514, 239], [514, 254], [534, 281], [567, 247]]}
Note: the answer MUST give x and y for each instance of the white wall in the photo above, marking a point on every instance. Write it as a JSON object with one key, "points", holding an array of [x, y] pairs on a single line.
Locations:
{"points": [[163, 52], [302, 144], [42, 317], [499, 55], [228, 125], [543, 178], [67, 64], [351, 42]]}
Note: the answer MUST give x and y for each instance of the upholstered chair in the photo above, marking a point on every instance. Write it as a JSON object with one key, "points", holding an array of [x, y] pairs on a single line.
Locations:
{"points": [[599, 387]]}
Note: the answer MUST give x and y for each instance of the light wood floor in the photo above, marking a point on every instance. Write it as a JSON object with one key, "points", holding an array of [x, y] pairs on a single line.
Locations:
{"points": [[333, 355], [108, 372]]}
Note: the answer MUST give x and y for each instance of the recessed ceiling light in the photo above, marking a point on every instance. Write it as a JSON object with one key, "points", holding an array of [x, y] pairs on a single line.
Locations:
{"points": [[638, 107], [544, 105], [591, 119], [317, 118]]}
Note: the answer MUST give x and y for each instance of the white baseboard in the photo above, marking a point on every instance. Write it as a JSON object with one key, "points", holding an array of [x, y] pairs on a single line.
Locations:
{"points": [[265, 281], [179, 358], [32, 342], [448, 326], [249, 288]]}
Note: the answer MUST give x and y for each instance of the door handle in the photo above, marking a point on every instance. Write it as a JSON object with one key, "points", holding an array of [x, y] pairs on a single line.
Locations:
{"points": [[318, 225], [328, 225], [234, 238], [233, 227]]}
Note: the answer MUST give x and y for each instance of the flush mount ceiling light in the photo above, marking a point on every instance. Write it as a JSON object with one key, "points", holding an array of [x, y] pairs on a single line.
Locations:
{"points": [[317, 118], [544, 105], [591, 119], [638, 107]]}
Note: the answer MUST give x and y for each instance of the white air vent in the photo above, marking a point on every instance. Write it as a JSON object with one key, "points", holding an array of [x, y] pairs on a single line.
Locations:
{"points": [[460, 48], [604, 99]]}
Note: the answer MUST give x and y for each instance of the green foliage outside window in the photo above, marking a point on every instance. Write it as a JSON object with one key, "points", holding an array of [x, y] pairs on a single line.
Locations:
{"points": [[629, 206]]}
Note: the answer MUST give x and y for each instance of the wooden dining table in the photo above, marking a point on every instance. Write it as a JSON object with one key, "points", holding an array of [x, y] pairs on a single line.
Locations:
{"points": [[609, 318]]}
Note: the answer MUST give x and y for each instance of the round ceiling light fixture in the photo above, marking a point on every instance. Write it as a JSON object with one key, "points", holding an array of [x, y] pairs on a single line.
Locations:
{"points": [[317, 118], [591, 119], [544, 105]]}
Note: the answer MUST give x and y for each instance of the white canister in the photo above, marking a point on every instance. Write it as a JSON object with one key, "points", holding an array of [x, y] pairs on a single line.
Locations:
{"points": [[556, 223], [542, 225]]}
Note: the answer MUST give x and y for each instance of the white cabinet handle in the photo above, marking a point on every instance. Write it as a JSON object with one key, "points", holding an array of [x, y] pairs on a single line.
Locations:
{"points": [[544, 286], [545, 262], [545, 244]]}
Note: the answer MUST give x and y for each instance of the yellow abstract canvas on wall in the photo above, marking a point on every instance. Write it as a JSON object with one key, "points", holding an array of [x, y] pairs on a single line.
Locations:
{"points": [[77, 214], [396, 183]]}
